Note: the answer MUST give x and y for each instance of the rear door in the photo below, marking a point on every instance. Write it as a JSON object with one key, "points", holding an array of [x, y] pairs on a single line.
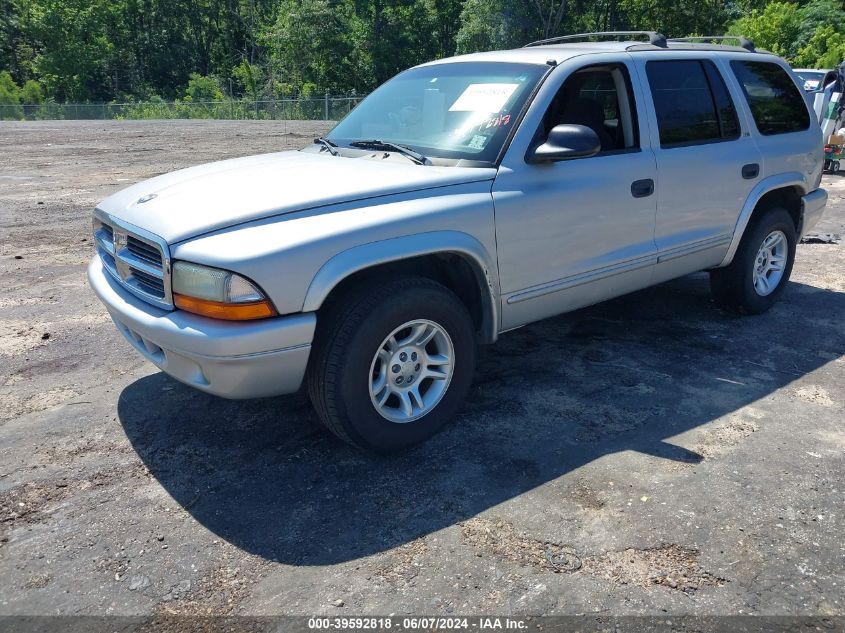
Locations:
{"points": [[788, 138], [707, 160]]}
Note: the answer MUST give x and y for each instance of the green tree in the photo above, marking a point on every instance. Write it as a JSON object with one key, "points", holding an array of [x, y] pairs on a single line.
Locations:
{"points": [[311, 42], [249, 78], [104, 50], [31, 93], [491, 24], [73, 45], [443, 19], [10, 92], [826, 49], [203, 88], [670, 17], [775, 28], [495, 24], [10, 98], [9, 33], [818, 14], [390, 36]]}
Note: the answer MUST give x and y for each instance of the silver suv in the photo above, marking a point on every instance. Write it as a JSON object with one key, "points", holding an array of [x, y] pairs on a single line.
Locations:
{"points": [[462, 199]]}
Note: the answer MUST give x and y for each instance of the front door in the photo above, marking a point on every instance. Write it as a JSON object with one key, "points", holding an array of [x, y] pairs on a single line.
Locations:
{"points": [[575, 232]]}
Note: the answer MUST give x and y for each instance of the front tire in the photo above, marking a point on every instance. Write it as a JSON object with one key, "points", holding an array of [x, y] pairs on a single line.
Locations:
{"points": [[393, 362], [761, 267]]}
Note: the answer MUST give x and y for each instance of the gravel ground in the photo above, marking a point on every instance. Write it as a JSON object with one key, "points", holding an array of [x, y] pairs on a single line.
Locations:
{"points": [[649, 455]]}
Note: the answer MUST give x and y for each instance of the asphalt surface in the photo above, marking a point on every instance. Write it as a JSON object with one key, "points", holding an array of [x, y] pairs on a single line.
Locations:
{"points": [[649, 455]]}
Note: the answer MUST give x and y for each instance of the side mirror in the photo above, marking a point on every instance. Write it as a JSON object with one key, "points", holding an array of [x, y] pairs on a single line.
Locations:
{"points": [[566, 142]]}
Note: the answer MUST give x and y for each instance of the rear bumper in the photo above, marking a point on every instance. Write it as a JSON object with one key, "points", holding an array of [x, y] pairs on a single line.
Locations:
{"points": [[251, 359], [812, 208]]}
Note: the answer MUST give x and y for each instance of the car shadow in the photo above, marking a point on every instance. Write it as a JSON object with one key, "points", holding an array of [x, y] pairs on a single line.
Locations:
{"points": [[624, 375]]}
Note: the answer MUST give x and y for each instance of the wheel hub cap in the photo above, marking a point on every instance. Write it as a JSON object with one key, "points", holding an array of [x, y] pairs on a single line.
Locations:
{"points": [[770, 263], [411, 371]]}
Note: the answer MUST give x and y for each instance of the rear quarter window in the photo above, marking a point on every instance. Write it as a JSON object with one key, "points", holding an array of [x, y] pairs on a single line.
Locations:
{"points": [[776, 103]]}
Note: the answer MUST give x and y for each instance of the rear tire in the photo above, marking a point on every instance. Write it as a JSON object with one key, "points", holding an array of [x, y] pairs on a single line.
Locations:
{"points": [[761, 267], [393, 362]]}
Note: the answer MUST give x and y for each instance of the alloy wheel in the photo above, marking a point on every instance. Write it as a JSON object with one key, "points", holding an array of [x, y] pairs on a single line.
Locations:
{"points": [[411, 371]]}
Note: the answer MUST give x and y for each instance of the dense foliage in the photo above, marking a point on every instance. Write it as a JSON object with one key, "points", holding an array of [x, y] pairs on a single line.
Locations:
{"points": [[207, 50]]}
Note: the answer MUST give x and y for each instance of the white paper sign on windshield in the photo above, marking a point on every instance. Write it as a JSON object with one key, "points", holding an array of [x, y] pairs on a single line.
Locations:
{"points": [[490, 98]]}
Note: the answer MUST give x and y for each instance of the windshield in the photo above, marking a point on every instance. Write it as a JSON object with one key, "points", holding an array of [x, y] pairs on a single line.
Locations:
{"points": [[460, 111]]}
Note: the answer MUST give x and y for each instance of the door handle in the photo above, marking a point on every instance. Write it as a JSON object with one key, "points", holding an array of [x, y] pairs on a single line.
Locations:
{"points": [[642, 188], [750, 171]]}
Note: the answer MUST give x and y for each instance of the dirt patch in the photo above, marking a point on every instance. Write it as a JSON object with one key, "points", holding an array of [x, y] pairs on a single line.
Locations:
{"points": [[116, 565], [173, 623], [27, 503], [20, 301], [501, 539], [31, 502], [38, 581], [815, 394], [218, 592], [723, 437], [586, 496], [81, 446], [403, 564], [670, 566], [18, 336], [13, 405]]}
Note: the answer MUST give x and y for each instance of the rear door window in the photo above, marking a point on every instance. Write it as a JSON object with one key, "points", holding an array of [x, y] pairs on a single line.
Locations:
{"points": [[776, 103], [691, 102]]}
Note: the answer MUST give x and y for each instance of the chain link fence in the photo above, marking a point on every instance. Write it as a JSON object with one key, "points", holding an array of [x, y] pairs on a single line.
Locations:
{"points": [[326, 108]]}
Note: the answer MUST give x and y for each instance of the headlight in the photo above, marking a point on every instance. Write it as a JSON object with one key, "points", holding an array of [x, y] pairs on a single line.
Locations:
{"points": [[217, 293]]}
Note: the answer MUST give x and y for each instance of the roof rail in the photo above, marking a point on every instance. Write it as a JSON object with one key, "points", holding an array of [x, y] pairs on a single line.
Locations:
{"points": [[744, 42], [654, 38]]}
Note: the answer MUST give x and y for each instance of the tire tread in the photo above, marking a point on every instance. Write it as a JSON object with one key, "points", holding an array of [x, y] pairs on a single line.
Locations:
{"points": [[727, 284], [340, 323]]}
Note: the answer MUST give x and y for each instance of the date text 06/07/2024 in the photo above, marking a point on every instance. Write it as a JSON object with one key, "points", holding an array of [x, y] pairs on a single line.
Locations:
{"points": [[484, 623]]}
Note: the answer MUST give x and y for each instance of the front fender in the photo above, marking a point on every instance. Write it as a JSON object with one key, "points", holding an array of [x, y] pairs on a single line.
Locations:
{"points": [[309, 252], [364, 256], [779, 181]]}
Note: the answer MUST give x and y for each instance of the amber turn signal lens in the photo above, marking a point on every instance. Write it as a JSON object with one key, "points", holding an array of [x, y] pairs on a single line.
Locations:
{"points": [[227, 311]]}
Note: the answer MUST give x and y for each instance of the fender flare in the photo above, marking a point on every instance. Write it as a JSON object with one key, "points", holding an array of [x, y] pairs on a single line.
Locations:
{"points": [[779, 181], [371, 254]]}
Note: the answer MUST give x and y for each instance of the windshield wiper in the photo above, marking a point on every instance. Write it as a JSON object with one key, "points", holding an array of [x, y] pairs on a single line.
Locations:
{"points": [[418, 158], [328, 145]]}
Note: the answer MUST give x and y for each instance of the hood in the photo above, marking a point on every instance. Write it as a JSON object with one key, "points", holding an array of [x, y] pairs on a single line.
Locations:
{"points": [[193, 201]]}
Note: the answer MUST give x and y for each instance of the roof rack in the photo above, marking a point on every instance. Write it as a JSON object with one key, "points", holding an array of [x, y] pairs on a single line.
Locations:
{"points": [[654, 38], [744, 42]]}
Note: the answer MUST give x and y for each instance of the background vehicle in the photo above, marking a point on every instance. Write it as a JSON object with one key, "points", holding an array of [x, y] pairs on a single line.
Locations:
{"points": [[813, 79], [464, 198]]}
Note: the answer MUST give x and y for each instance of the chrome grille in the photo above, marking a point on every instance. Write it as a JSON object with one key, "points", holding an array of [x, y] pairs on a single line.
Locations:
{"points": [[107, 232], [153, 285], [137, 259], [142, 250]]}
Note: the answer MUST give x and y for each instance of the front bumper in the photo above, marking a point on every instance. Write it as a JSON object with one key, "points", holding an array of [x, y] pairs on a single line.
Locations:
{"points": [[250, 359], [812, 209]]}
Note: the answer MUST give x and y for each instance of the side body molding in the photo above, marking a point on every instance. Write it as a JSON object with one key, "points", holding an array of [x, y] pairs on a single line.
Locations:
{"points": [[396, 249], [779, 181]]}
